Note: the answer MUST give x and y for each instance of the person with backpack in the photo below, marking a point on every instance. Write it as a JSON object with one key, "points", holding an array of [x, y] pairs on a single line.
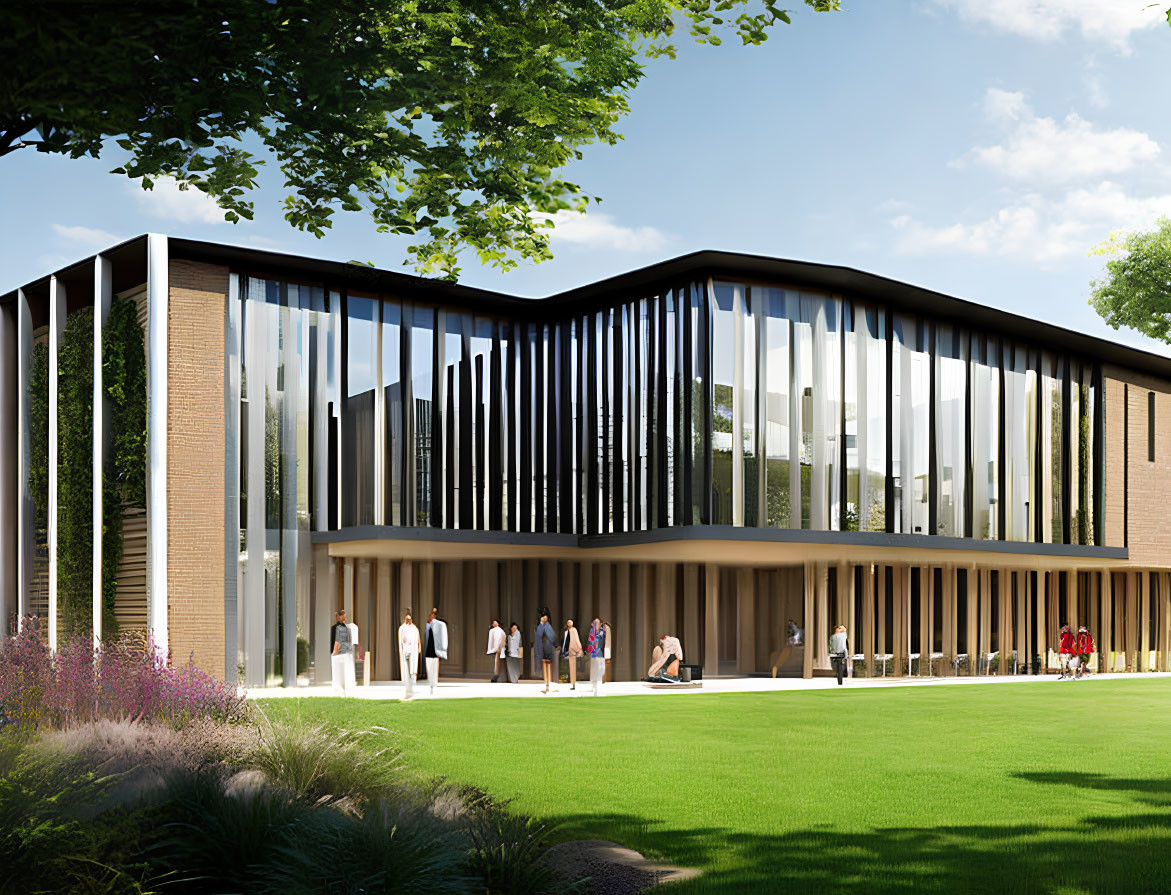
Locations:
{"points": [[1065, 653], [1084, 648]]}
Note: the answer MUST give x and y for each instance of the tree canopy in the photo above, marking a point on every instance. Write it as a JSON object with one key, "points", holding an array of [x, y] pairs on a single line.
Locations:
{"points": [[448, 120], [1135, 290]]}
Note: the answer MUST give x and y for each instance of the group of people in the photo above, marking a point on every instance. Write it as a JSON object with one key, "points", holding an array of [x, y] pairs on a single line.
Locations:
{"points": [[1074, 653], [596, 649]]}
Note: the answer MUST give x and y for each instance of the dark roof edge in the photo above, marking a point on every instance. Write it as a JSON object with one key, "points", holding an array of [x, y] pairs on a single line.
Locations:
{"points": [[702, 264]]}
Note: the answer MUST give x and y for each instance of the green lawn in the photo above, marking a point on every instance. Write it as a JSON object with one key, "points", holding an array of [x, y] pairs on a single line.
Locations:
{"points": [[1041, 787]]}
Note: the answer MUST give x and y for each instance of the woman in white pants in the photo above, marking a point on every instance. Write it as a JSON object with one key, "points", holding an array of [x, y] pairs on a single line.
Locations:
{"points": [[343, 643], [408, 653], [596, 650]]}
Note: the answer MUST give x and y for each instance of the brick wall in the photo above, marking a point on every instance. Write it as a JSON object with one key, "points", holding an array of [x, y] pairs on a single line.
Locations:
{"points": [[195, 463], [1148, 489]]}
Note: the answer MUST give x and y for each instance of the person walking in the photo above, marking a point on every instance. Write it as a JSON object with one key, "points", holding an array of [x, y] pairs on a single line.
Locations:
{"points": [[839, 650], [343, 641], [1065, 653], [545, 644], [436, 647], [496, 648], [514, 652], [571, 650], [1083, 649], [408, 654], [596, 650]]}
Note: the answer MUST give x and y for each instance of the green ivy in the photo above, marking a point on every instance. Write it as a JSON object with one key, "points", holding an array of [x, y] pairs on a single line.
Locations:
{"points": [[124, 472], [75, 430]]}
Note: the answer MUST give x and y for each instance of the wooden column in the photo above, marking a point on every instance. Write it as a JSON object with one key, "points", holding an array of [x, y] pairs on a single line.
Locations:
{"points": [[1144, 623], [810, 630], [381, 639], [1105, 635], [1005, 631], [689, 624], [949, 619], [711, 605], [1133, 602], [746, 621], [850, 620], [622, 652], [880, 614], [406, 600], [926, 619], [868, 589], [972, 581], [665, 621], [1072, 598], [822, 616]]}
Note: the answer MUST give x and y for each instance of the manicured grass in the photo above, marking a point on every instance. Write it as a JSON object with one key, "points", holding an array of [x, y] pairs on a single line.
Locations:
{"points": [[1041, 787]]}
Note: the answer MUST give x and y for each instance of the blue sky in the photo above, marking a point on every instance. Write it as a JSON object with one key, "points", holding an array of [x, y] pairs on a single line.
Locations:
{"points": [[975, 147]]}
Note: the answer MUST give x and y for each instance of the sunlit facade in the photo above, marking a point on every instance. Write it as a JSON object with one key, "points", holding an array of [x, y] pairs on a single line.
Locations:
{"points": [[716, 444]]}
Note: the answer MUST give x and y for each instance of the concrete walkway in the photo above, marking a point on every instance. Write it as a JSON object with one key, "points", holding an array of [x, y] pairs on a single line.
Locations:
{"points": [[475, 689]]}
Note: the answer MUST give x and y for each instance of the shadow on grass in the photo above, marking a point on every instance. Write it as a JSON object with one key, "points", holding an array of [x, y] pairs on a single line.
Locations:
{"points": [[1072, 853]]}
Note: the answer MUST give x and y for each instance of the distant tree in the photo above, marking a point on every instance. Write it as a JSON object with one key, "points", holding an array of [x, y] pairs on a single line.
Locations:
{"points": [[1135, 290], [443, 119]]}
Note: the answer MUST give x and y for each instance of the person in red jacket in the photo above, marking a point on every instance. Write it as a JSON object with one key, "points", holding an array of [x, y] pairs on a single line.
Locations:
{"points": [[1065, 652], [1083, 648]]}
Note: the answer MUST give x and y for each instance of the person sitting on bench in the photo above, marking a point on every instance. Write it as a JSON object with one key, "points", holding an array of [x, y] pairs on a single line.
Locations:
{"points": [[667, 657]]}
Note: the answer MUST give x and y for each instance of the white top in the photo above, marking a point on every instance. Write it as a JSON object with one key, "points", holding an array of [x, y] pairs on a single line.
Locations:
{"points": [[495, 641], [514, 645], [408, 645]]}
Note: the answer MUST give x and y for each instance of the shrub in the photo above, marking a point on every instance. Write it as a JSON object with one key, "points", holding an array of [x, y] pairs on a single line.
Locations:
{"points": [[124, 678], [510, 853], [321, 763]]}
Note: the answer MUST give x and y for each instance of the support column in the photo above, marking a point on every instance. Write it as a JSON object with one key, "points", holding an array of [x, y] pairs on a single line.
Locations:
{"points": [[1071, 600], [972, 582], [1039, 596], [949, 619], [689, 626], [1004, 629], [324, 600], [880, 615], [746, 621], [407, 599], [1144, 624], [622, 627], [868, 582], [158, 292], [1105, 635], [1133, 600], [822, 615], [103, 294], [926, 599], [711, 605], [807, 668], [57, 312], [383, 627], [11, 433]]}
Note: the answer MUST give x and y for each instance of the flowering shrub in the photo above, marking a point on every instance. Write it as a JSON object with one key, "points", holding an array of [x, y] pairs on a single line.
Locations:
{"points": [[126, 678]]}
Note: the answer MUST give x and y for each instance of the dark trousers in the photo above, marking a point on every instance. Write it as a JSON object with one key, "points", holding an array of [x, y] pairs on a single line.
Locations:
{"points": [[839, 667]]}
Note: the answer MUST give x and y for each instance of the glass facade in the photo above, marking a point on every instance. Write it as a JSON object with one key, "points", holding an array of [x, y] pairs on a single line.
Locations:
{"points": [[715, 402]]}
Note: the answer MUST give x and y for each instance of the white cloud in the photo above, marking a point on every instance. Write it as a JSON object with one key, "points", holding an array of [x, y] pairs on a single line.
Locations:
{"points": [[599, 231], [1036, 228], [1043, 149], [1105, 21], [86, 237], [167, 201]]}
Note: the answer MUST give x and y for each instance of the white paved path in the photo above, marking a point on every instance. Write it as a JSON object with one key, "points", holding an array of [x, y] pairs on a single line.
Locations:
{"points": [[475, 689]]}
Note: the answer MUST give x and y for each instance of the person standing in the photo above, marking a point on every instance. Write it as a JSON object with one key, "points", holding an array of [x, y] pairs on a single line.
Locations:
{"points": [[1065, 652], [571, 650], [408, 653], [545, 644], [1084, 648], [496, 648], [436, 647], [839, 650], [343, 640], [514, 652], [596, 650], [609, 642]]}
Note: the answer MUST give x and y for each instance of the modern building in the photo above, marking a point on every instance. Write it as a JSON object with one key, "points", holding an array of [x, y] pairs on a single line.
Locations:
{"points": [[711, 446]]}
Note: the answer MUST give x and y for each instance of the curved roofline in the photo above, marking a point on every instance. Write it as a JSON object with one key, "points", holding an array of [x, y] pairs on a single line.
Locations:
{"points": [[702, 264]]}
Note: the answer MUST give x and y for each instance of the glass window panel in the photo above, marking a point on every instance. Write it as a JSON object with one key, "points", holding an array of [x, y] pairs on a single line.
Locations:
{"points": [[422, 355], [776, 345], [724, 406], [951, 429], [358, 412], [392, 396], [985, 412]]}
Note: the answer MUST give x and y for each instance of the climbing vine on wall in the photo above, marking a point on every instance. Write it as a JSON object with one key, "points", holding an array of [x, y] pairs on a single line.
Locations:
{"points": [[75, 428], [124, 471]]}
